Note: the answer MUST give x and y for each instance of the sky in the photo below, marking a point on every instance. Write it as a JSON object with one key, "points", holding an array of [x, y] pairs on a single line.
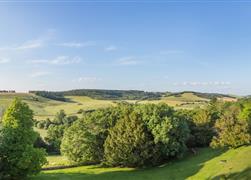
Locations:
{"points": [[145, 45]]}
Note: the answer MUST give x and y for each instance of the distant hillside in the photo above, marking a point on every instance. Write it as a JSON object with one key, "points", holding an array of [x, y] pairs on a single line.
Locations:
{"points": [[203, 95], [101, 94]]}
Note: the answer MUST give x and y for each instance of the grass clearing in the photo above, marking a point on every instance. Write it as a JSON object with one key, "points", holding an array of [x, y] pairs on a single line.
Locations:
{"points": [[206, 164]]}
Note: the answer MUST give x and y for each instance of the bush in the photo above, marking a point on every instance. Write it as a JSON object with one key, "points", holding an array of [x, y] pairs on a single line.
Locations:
{"points": [[18, 157]]}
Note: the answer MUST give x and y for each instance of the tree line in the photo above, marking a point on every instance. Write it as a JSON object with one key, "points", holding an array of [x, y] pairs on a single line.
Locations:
{"points": [[100, 94]]}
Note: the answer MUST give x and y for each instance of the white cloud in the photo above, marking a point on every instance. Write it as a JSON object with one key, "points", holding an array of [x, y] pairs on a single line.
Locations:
{"points": [[60, 60], [111, 48], [212, 83], [128, 61], [77, 44], [30, 44], [4, 60], [39, 74], [88, 79]]}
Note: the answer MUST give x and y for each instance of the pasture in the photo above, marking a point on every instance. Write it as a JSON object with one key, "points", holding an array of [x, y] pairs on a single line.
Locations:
{"points": [[206, 164]]}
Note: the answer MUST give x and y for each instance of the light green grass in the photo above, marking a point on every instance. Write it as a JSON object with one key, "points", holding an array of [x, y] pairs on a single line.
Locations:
{"points": [[57, 160], [46, 108], [206, 164]]}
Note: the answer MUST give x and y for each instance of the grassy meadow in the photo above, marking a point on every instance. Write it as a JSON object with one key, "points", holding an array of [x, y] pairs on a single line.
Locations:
{"points": [[206, 164]]}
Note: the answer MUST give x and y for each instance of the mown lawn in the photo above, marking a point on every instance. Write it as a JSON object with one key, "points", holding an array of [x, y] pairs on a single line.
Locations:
{"points": [[206, 164]]}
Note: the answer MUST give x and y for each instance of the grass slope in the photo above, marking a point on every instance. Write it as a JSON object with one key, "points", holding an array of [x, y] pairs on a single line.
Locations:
{"points": [[46, 108], [207, 164]]}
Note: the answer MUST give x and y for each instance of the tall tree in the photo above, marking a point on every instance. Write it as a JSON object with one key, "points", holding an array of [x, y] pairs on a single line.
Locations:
{"points": [[18, 156]]}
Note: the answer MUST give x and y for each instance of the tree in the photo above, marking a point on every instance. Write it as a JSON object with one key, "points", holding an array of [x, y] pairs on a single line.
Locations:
{"points": [[83, 141], [60, 117], [169, 129], [201, 128], [231, 131], [80, 145], [54, 136], [18, 156], [129, 143]]}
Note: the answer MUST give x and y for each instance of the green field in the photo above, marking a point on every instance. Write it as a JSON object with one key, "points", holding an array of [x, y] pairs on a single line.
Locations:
{"points": [[46, 108], [206, 164]]}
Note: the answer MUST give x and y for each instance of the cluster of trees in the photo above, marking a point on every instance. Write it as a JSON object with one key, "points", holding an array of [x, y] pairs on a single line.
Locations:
{"points": [[58, 96], [55, 130], [127, 135], [7, 91], [142, 135], [100, 94]]}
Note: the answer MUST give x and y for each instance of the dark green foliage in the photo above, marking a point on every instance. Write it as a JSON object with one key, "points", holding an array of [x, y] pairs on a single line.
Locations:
{"points": [[201, 127], [58, 96], [18, 157], [161, 135], [100, 94], [232, 130], [56, 129], [129, 143], [54, 136]]}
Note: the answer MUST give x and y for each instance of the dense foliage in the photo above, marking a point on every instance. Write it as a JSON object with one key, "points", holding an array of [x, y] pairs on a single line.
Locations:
{"points": [[118, 136], [129, 143], [233, 128], [18, 157], [169, 129], [55, 129], [83, 141], [51, 95]]}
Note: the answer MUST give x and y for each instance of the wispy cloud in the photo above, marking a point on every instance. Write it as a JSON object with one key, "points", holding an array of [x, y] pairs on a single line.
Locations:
{"points": [[111, 48], [40, 74], [77, 44], [213, 83], [88, 79], [128, 61], [31, 44], [4, 60], [60, 60]]}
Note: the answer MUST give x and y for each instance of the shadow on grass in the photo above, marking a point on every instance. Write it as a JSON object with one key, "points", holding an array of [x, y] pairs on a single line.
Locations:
{"points": [[243, 175], [179, 169]]}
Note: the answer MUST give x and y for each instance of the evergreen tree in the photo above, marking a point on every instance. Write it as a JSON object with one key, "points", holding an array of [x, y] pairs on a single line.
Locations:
{"points": [[129, 143]]}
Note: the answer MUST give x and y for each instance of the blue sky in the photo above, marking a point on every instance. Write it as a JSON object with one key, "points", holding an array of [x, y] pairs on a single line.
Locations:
{"points": [[154, 46]]}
